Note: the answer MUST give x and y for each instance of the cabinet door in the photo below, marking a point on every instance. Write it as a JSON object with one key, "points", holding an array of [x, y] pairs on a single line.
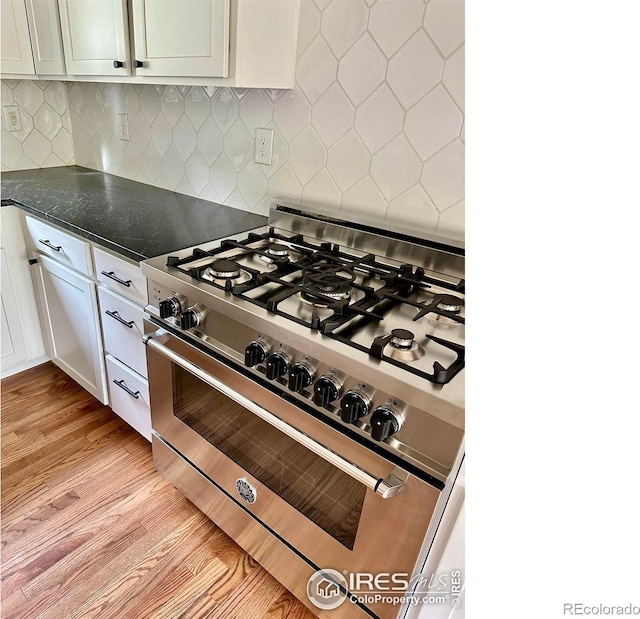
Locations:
{"points": [[182, 37], [44, 24], [12, 343], [22, 344], [69, 314], [16, 43], [95, 35]]}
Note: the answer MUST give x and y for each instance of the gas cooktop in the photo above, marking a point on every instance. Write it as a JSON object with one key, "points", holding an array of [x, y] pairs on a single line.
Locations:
{"points": [[394, 312]]}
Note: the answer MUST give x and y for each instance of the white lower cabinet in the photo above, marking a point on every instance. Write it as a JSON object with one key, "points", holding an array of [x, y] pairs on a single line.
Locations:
{"points": [[13, 347], [122, 329], [21, 344], [71, 324], [59, 245], [121, 276], [129, 395], [122, 293], [91, 308]]}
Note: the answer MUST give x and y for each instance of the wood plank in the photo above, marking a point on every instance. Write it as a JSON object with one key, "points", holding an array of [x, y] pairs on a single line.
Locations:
{"points": [[82, 475], [22, 449], [259, 586], [40, 514], [12, 602], [111, 598], [90, 529], [104, 572], [287, 606], [84, 516]]}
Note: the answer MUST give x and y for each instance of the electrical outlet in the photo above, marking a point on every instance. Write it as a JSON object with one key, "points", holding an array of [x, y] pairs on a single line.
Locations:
{"points": [[12, 118], [264, 146], [123, 127]]}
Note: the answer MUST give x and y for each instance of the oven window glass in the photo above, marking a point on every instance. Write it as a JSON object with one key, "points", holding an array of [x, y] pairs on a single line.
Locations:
{"points": [[324, 494]]}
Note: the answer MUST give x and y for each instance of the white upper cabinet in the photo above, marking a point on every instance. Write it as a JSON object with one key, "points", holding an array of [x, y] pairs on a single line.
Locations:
{"points": [[46, 38], [95, 34], [264, 41], [241, 43], [31, 39], [181, 37], [16, 42]]}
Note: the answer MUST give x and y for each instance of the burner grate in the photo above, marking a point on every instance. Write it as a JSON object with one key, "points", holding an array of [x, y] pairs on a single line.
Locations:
{"points": [[338, 303]]}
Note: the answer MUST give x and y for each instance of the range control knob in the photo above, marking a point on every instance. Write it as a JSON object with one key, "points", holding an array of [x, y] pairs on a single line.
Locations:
{"points": [[255, 353], [385, 422], [170, 307], [300, 377], [277, 365], [189, 319], [326, 390], [353, 406]]}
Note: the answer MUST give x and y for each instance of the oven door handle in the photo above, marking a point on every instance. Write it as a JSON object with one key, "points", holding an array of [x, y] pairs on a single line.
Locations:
{"points": [[388, 487]]}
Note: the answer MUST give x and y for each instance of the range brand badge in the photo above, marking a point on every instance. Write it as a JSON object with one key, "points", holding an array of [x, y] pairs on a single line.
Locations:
{"points": [[246, 490]]}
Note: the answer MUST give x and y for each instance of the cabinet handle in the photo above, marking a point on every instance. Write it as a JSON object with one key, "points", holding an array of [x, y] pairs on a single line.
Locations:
{"points": [[115, 278], [118, 64], [123, 385], [138, 64], [50, 245], [121, 320]]}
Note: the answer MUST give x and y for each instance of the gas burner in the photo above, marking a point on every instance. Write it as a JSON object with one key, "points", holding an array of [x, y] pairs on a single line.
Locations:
{"points": [[310, 296], [224, 269], [277, 249], [449, 303], [400, 345], [327, 280], [402, 338], [275, 252]]}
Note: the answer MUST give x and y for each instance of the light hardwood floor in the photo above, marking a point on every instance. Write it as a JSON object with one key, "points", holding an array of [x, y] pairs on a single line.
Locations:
{"points": [[90, 529]]}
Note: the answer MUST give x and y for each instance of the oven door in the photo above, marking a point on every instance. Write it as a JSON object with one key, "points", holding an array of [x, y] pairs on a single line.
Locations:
{"points": [[336, 502]]}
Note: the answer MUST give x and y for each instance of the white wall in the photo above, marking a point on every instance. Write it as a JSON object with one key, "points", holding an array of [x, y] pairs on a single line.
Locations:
{"points": [[45, 139], [375, 124]]}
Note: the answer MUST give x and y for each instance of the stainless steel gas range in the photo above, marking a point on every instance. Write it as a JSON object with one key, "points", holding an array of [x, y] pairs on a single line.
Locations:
{"points": [[307, 391]]}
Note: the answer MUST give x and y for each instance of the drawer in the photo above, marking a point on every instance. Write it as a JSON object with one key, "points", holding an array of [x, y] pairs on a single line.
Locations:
{"points": [[122, 330], [62, 247], [122, 276], [129, 396]]}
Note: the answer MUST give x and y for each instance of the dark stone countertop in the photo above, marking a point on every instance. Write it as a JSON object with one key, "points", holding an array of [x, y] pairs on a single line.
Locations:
{"points": [[135, 220]]}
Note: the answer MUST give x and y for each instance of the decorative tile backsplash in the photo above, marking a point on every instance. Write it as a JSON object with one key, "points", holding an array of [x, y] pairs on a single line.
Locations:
{"points": [[374, 126], [45, 140]]}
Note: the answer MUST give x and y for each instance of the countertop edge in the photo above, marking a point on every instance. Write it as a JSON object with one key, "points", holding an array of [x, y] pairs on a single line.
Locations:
{"points": [[130, 219], [81, 232]]}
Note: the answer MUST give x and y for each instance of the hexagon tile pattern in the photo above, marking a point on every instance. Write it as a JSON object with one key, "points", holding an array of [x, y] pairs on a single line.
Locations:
{"points": [[375, 124], [45, 140]]}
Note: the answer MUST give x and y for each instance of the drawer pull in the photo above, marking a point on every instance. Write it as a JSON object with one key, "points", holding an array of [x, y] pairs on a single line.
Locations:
{"points": [[123, 386], [119, 318], [50, 245], [115, 278]]}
